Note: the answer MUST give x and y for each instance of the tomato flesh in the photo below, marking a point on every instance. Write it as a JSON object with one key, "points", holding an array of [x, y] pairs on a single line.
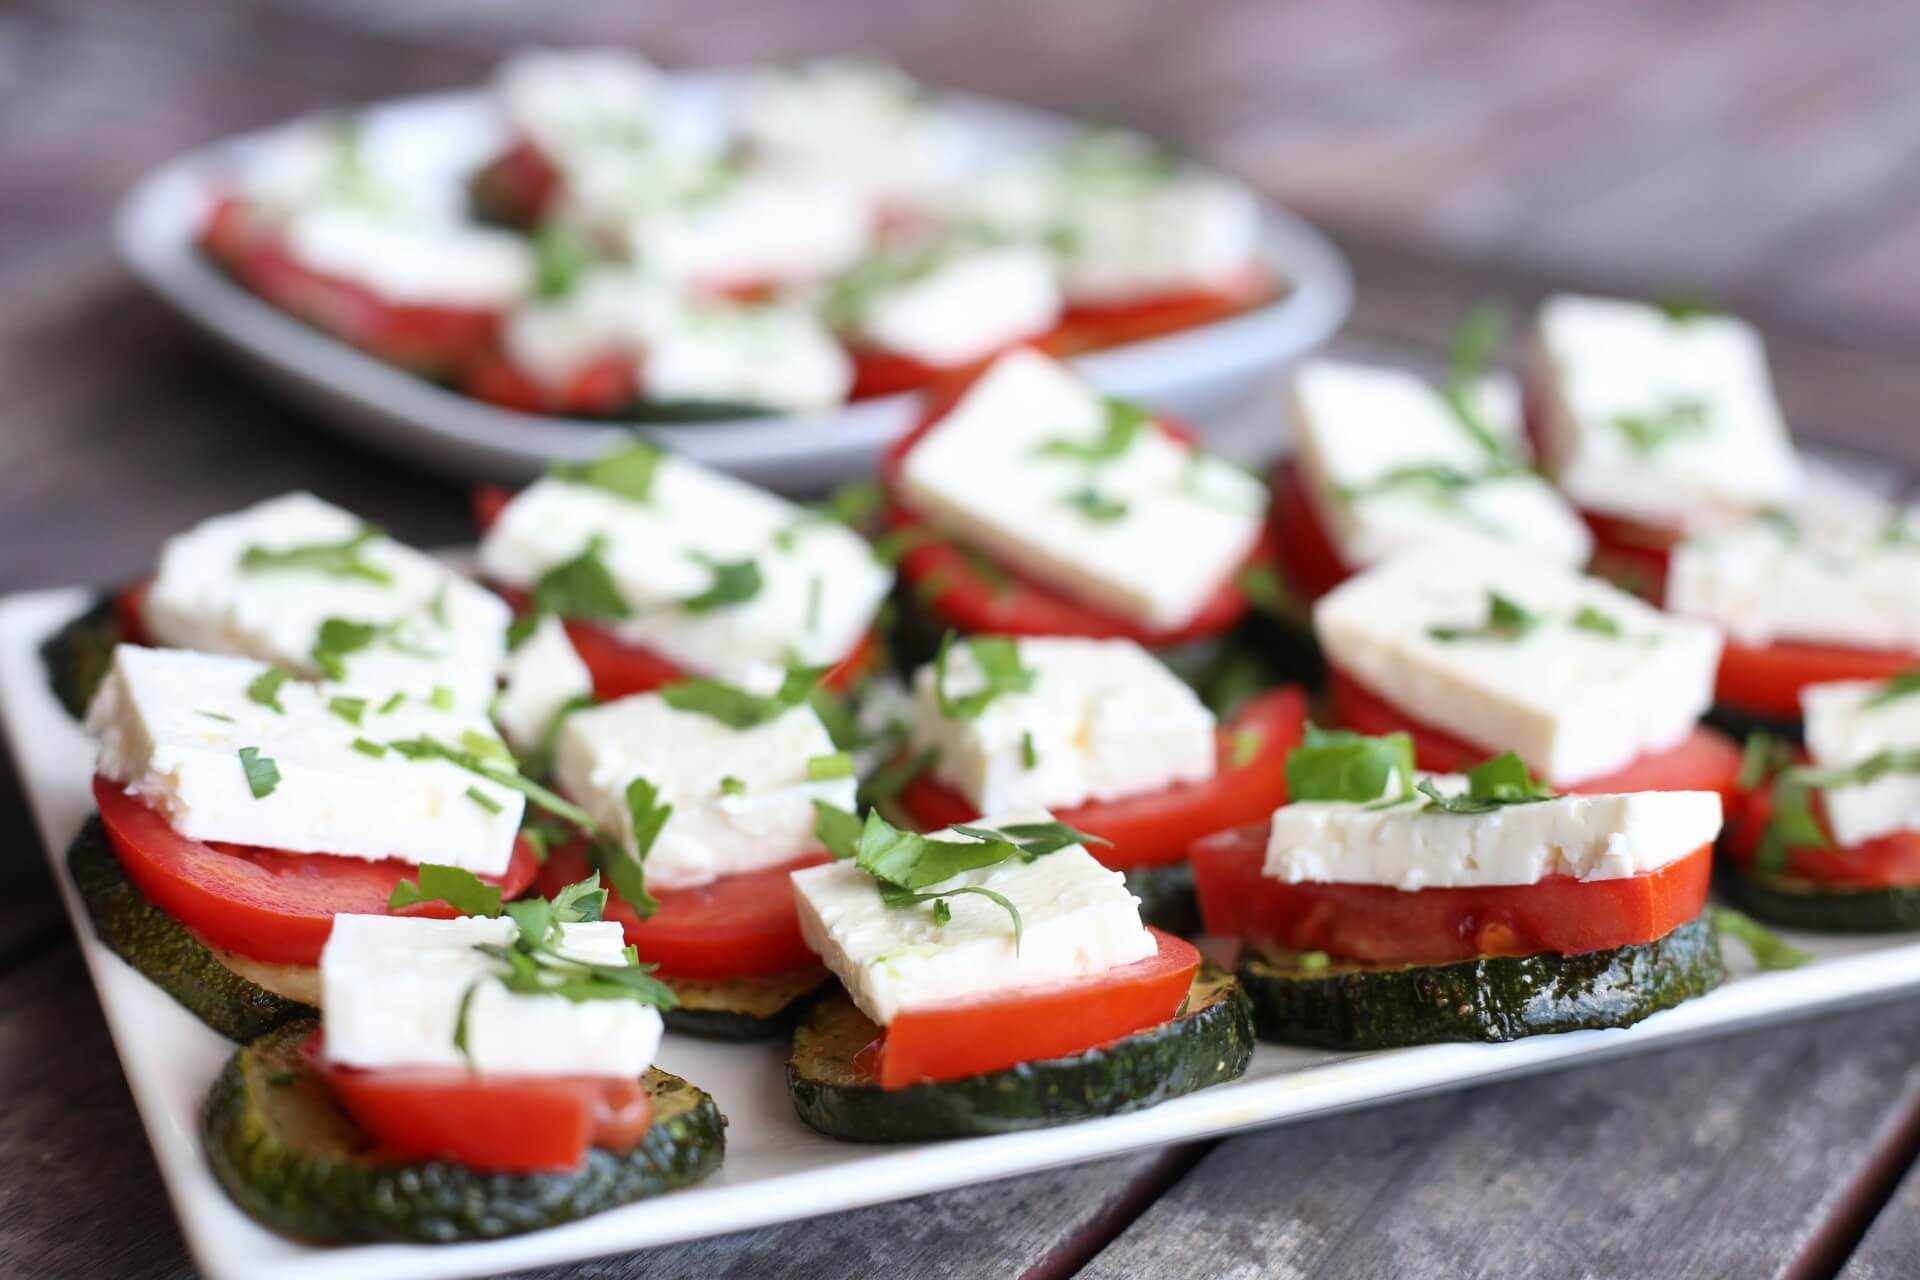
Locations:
{"points": [[598, 389], [1703, 761], [879, 372], [266, 904], [1090, 326], [1889, 861], [1767, 679], [737, 926], [1307, 556], [1379, 924], [488, 1123], [518, 186], [1032, 1024], [1158, 827], [130, 612]]}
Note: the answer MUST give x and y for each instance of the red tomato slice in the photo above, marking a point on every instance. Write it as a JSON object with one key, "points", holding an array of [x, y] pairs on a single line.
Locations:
{"points": [[879, 372], [1035, 1023], [1147, 830], [266, 904], [517, 186], [599, 389], [1704, 761], [130, 612], [488, 1123], [1307, 556], [1086, 327], [1767, 679], [1379, 924], [1885, 862], [735, 927]]}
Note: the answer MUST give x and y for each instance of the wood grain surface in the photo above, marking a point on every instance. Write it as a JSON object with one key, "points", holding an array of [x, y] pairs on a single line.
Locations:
{"points": [[1763, 151]]}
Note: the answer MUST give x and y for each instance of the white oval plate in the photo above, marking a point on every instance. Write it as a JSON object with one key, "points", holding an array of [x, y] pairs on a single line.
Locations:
{"points": [[1199, 373]]}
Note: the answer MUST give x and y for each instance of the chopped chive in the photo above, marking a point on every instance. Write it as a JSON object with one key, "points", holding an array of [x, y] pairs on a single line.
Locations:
{"points": [[1028, 756], [369, 748], [442, 698], [215, 715], [829, 767], [263, 775], [484, 800], [732, 786], [348, 709], [391, 704], [265, 689]]}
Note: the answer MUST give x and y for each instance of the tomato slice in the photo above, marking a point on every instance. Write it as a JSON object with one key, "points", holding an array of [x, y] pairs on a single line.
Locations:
{"points": [[488, 1123], [1767, 679], [879, 372], [1888, 861], [598, 389], [1703, 761], [130, 612], [1379, 924], [1307, 556], [1034, 1023], [517, 187], [735, 927], [266, 904], [1087, 326], [1155, 828]]}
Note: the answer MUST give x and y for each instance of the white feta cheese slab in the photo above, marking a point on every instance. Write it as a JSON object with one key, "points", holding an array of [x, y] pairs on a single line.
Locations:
{"points": [[399, 164], [1602, 366], [1077, 920], [1844, 729], [860, 124], [820, 584], [763, 818], [1801, 577], [753, 228], [1177, 524], [1359, 427], [1572, 702], [393, 986], [541, 679], [564, 100], [438, 627], [1411, 846], [171, 725], [413, 261], [1102, 720], [965, 308]]}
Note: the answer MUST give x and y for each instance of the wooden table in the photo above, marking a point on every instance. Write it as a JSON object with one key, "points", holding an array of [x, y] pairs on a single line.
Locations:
{"points": [[1759, 150]]}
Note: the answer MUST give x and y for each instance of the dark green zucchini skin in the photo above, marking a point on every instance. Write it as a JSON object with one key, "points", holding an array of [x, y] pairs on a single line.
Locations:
{"points": [[165, 953], [1209, 1042], [1801, 904], [1166, 897], [743, 1009], [1505, 998], [1737, 724], [77, 655], [291, 1158]]}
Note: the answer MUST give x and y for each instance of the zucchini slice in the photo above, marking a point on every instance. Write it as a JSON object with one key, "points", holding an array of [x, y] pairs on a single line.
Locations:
{"points": [[162, 949], [1209, 1041], [291, 1158], [1737, 724], [77, 655], [1356, 1006], [751, 1008], [1797, 903], [1166, 897]]}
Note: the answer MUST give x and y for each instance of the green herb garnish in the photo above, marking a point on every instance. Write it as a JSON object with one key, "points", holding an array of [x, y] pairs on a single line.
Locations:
{"points": [[335, 559], [222, 717], [1506, 621], [626, 869], [1591, 619], [1649, 433], [738, 708], [484, 800], [1769, 949], [627, 472], [998, 658], [732, 786], [265, 689], [830, 768], [263, 775], [1313, 962], [1340, 765], [457, 887], [1029, 757], [352, 710], [338, 637], [734, 582], [1122, 425], [561, 256], [366, 747], [1096, 506], [1904, 685], [392, 704], [1245, 746], [582, 587], [1492, 784], [1474, 345]]}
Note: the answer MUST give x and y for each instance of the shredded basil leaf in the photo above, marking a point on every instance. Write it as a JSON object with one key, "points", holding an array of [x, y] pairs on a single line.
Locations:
{"points": [[352, 710], [334, 559], [367, 747], [582, 587], [457, 887], [1340, 765], [263, 775], [1123, 423], [1096, 506], [738, 708], [734, 582], [1592, 619], [998, 658], [1506, 621], [1897, 687], [265, 689], [1491, 784], [627, 472], [1769, 949], [829, 768], [1648, 433]]}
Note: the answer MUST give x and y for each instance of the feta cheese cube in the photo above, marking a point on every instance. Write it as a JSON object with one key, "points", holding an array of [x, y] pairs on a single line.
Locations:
{"points": [[750, 229], [1667, 422], [764, 818], [1102, 720], [1151, 534], [413, 261], [964, 308], [1843, 729], [437, 627], [1373, 445], [1571, 699], [566, 100], [171, 726], [543, 676], [1810, 577], [1411, 846], [863, 125], [1077, 920], [819, 583], [393, 987]]}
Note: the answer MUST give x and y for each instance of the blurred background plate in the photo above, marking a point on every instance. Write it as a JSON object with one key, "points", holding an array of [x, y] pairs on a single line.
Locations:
{"points": [[1201, 374]]}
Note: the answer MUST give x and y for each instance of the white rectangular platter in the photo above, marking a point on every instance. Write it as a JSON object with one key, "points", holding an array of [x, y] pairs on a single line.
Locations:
{"points": [[776, 1168], [1199, 373]]}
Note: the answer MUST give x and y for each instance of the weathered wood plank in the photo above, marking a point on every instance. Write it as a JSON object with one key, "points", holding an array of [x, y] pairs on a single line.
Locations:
{"points": [[1891, 1246], [1723, 1159]]}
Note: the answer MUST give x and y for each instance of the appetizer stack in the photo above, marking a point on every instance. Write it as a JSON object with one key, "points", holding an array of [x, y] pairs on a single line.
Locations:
{"points": [[931, 777], [843, 234]]}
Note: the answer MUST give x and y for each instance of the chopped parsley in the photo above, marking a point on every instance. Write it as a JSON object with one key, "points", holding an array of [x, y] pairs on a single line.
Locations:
{"points": [[335, 559], [581, 588], [222, 717], [263, 775], [392, 704], [265, 689], [998, 659], [352, 710], [338, 637], [1491, 784], [441, 698], [626, 870]]}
